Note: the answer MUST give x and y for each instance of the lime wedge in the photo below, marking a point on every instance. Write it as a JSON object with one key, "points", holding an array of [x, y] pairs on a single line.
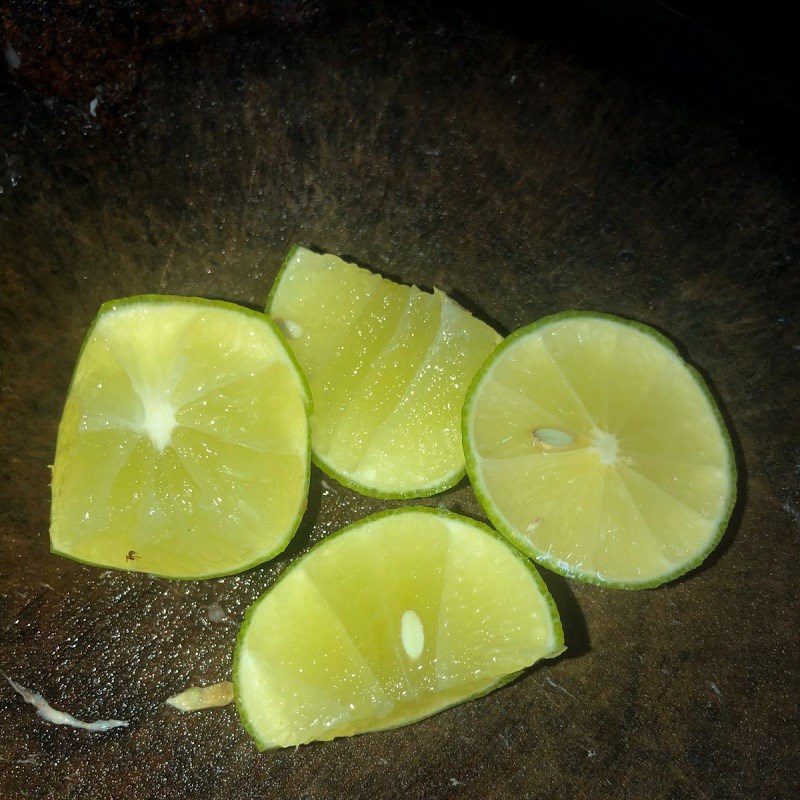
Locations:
{"points": [[388, 366], [390, 620], [599, 452], [183, 447]]}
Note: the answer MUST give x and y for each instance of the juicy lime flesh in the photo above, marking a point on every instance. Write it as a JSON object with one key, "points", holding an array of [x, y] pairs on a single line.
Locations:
{"points": [[388, 367], [394, 619], [183, 447], [642, 481]]}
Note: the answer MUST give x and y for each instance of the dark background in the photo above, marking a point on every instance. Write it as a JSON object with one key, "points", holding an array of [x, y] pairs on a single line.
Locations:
{"points": [[635, 158]]}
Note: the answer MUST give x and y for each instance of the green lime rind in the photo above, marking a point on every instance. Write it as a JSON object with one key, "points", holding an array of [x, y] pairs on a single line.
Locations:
{"points": [[263, 744], [281, 544], [279, 277], [507, 529], [437, 488], [447, 482], [555, 620]]}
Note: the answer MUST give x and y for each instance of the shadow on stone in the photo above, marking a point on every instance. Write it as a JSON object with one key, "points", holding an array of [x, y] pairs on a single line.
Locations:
{"points": [[576, 634], [302, 539]]}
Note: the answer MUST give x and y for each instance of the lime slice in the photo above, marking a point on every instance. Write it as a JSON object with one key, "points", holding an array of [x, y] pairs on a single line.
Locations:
{"points": [[388, 366], [183, 447], [598, 451], [392, 619]]}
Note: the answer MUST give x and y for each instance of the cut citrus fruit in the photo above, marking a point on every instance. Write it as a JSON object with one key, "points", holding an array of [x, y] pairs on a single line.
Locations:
{"points": [[388, 366], [597, 450], [392, 619], [183, 449]]}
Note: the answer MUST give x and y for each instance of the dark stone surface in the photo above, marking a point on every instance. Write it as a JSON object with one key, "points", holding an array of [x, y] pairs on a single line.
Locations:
{"points": [[445, 153], [105, 48]]}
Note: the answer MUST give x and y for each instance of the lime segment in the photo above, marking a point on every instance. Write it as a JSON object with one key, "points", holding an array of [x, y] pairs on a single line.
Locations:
{"points": [[388, 366], [391, 620], [598, 451], [183, 447]]}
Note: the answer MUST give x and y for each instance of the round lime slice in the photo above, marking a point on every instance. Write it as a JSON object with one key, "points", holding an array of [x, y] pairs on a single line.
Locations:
{"points": [[392, 619], [598, 451], [388, 366], [183, 449]]}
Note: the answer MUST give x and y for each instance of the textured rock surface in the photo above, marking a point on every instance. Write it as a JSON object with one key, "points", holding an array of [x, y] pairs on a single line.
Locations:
{"points": [[523, 183]]}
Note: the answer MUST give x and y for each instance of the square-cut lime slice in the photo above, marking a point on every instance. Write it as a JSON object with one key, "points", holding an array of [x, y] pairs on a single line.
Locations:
{"points": [[183, 449]]}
